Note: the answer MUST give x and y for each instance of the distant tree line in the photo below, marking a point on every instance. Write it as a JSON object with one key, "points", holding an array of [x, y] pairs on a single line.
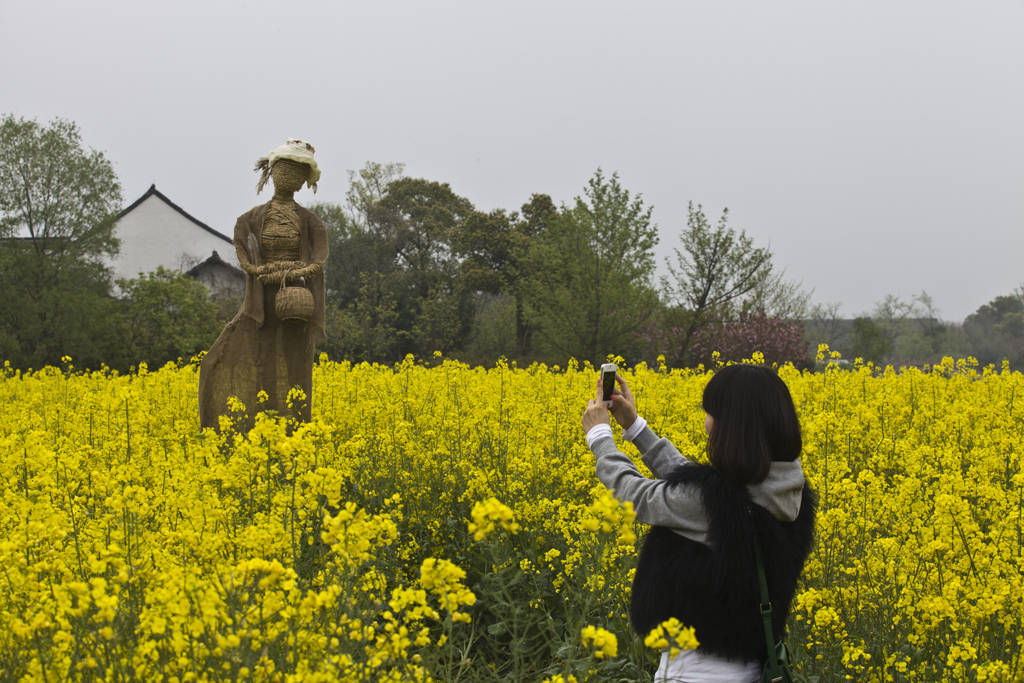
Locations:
{"points": [[909, 332], [415, 269]]}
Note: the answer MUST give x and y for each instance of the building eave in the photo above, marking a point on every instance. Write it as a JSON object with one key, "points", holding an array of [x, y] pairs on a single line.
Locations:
{"points": [[153, 192], [215, 260]]}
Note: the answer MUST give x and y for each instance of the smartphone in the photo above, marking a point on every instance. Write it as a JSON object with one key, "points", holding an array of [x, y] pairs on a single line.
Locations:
{"points": [[608, 380]]}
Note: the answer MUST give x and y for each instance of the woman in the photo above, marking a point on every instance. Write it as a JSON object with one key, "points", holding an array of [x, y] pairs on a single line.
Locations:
{"points": [[257, 351], [697, 563]]}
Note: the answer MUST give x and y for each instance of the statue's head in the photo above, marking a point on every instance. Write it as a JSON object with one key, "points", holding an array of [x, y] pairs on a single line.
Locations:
{"points": [[289, 175], [290, 165]]}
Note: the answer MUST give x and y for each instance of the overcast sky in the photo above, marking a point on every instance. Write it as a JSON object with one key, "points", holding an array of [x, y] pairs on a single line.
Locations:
{"points": [[877, 147]]}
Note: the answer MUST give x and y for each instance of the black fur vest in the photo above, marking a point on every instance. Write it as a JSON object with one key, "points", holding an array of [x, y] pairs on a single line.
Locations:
{"points": [[714, 587]]}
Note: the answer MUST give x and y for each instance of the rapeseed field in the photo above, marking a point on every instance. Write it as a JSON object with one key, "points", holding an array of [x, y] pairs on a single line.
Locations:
{"points": [[437, 521]]}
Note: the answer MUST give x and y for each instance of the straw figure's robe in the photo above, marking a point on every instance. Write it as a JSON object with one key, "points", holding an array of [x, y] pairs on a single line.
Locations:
{"points": [[257, 351]]}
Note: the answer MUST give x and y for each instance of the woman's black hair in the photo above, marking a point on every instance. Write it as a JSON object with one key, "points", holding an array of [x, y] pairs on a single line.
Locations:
{"points": [[755, 422]]}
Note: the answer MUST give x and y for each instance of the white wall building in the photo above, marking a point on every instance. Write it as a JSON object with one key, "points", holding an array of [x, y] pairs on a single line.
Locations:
{"points": [[154, 231]]}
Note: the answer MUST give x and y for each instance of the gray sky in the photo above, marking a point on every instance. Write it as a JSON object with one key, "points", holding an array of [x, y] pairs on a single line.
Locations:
{"points": [[877, 147]]}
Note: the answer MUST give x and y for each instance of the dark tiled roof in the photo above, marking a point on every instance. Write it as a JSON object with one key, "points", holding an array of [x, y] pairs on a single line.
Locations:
{"points": [[214, 260]]}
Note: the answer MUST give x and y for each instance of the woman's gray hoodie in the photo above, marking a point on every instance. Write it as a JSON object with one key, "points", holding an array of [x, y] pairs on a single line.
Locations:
{"points": [[679, 507]]}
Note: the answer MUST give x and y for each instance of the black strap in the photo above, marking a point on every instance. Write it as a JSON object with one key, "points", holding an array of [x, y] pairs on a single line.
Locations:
{"points": [[775, 666], [766, 603]]}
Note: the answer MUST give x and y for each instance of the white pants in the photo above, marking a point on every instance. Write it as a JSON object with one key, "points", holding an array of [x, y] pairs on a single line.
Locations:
{"points": [[694, 666]]}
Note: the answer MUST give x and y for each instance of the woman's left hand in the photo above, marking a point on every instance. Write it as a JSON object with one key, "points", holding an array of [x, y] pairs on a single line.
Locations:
{"points": [[596, 412]]}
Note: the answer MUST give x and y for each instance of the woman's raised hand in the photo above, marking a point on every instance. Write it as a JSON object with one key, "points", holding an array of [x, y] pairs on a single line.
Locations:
{"points": [[623, 407], [596, 412]]}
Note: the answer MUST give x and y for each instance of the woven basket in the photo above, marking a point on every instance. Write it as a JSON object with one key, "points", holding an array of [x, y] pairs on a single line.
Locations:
{"points": [[293, 302]]}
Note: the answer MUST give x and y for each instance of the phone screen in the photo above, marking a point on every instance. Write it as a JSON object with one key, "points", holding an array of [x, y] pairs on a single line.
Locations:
{"points": [[608, 380]]}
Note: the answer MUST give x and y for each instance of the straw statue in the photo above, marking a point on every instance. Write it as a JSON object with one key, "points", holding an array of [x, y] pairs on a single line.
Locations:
{"points": [[269, 345]]}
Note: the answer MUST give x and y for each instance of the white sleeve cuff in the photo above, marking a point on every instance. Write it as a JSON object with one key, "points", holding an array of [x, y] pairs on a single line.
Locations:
{"points": [[634, 429], [598, 431]]}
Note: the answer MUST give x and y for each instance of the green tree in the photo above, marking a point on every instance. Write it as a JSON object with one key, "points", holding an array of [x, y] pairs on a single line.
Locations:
{"points": [[535, 219], [493, 249], [417, 219], [485, 244], [366, 187], [718, 274], [361, 310], [393, 284], [912, 326], [590, 272], [57, 205], [355, 252], [996, 330], [870, 340], [166, 316]]}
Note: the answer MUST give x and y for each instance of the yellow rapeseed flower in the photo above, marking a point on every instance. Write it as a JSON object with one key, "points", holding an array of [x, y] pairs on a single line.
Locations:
{"points": [[671, 635], [603, 643], [489, 514]]}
